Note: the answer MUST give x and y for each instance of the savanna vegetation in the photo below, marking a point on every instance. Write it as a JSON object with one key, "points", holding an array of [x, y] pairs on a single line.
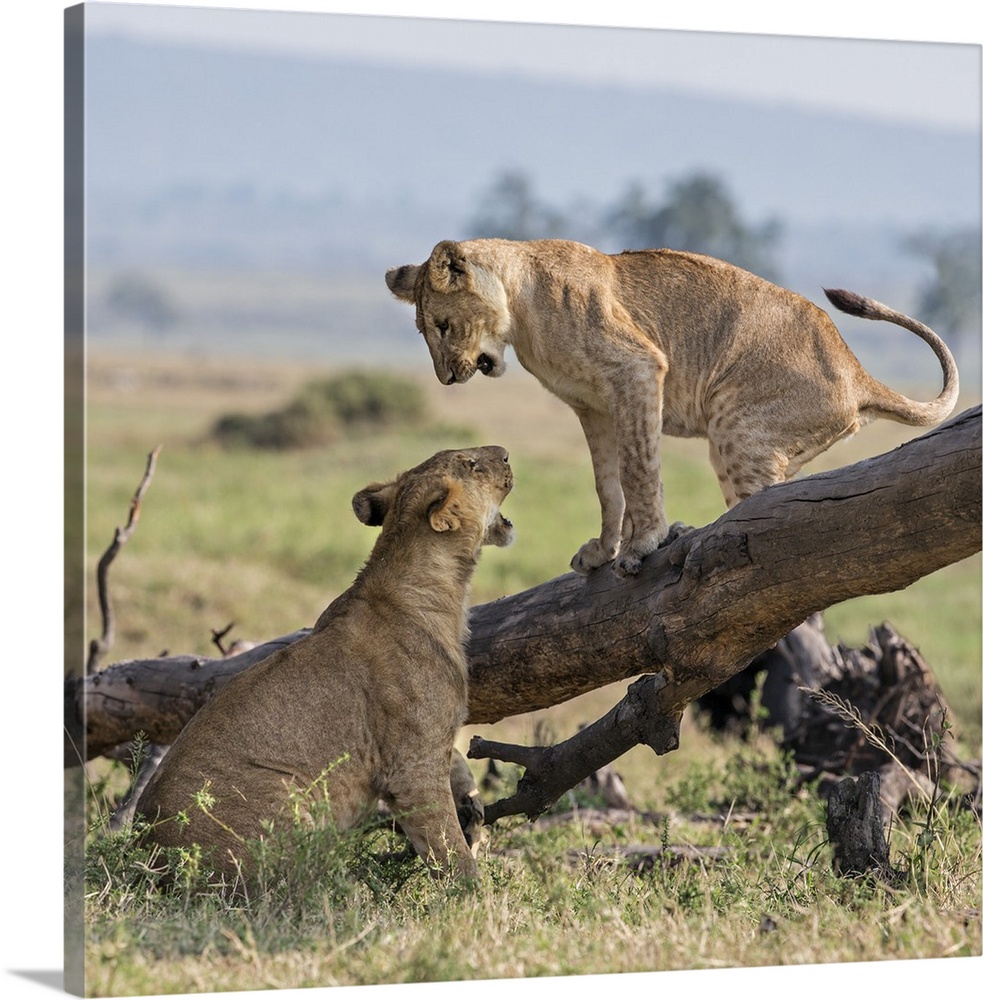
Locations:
{"points": [[722, 862]]}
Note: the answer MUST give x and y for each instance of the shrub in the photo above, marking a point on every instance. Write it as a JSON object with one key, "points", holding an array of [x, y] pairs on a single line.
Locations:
{"points": [[368, 399], [323, 410]]}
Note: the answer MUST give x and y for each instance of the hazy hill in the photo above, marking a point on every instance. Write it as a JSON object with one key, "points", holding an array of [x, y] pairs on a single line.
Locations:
{"points": [[207, 160], [176, 122]]}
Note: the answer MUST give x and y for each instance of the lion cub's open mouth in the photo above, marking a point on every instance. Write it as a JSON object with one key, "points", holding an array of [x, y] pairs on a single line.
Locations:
{"points": [[500, 531], [485, 364]]}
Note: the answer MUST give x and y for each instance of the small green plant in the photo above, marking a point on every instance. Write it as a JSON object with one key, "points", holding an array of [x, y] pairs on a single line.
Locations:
{"points": [[306, 879], [367, 859], [759, 781], [692, 792], [757, 778]]}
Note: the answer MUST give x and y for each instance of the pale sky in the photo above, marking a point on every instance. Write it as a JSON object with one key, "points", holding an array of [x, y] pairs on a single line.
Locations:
{"points": [[936, 82]]}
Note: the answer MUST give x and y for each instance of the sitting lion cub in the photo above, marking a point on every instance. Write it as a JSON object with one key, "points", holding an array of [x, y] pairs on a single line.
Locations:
{"points": [[376, 692], [657, 341]]}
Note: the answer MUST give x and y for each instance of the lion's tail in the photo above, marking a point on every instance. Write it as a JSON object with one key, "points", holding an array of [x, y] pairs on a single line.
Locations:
{"points": [[885, 401]]}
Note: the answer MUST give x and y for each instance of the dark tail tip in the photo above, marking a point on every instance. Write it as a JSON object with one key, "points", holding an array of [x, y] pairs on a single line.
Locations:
{"points": [[848, 302]]}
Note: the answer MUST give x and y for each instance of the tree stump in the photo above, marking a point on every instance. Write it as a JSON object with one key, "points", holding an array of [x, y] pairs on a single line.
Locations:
{"points": [[843, 711], [855, 825]]}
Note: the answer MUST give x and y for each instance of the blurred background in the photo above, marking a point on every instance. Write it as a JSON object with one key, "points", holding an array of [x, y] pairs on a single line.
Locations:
{"points": [[250, 175]]}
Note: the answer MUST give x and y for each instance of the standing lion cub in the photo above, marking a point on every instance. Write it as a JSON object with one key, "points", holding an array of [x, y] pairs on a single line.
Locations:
{"points": [[376, 692], [657, 341]]}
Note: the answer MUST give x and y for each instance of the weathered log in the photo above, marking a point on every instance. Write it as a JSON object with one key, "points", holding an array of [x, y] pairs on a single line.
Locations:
{"points": [[698, 612], [842, 711], [704, 606], [878, 708], [153, 697]]}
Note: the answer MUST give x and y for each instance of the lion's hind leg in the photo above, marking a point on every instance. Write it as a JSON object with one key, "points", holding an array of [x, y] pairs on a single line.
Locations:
{"points": [[744, 468], [745, 463], [741, 472]]}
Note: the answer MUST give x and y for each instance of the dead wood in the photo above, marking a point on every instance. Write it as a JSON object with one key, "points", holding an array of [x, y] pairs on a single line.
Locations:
{"points": [[843, 711], [150, 756], [98, 648], [703, 607], [698, 612], [598, 822], [153, 697], [551, 770], [855, 824], [878, 708]]}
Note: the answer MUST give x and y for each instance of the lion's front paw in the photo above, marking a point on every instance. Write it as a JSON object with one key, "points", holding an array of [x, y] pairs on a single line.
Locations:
{"points": [[629, 560], [627, 564], [590, 555]]}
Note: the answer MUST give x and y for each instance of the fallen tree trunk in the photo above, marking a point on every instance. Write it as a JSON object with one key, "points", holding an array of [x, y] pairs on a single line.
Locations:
{"points": [[703, 607], [837, 711], [698, 612]]}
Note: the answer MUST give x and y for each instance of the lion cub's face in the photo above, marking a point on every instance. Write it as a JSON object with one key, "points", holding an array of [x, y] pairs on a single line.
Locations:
{"points": [[454, 491], [460, 310]]}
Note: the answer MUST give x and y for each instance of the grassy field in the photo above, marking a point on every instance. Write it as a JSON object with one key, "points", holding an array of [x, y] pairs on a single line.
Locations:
{"points": [[263, 540]]}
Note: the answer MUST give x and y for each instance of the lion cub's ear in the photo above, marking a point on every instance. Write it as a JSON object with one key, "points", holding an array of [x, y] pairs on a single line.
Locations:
{"points": [[444, 510], [448, 267], [402, 281], [372, 504]]}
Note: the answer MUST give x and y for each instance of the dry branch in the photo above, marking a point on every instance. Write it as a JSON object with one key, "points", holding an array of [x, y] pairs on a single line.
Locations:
{"points": [[99, 647], [551, 770], [699, 611]]}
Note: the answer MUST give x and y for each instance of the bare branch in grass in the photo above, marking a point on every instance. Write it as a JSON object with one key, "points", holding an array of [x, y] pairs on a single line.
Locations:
{"points": [[98, 648]]}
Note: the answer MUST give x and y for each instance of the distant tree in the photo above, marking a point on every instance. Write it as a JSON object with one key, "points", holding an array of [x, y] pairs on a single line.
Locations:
{"points": [[950, 301], [699, 215], [142, 300], [510, 210]]}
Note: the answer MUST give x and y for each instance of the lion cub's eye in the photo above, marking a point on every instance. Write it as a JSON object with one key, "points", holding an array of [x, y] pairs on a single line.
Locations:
{"points": [[442, 327]]}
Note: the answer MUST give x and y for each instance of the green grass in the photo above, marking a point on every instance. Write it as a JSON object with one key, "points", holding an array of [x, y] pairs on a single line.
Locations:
{"points": [[265, 539], [553, 901]]}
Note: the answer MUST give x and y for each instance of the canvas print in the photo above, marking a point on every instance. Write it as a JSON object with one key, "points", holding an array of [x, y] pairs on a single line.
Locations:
{"points": [[531, 482]]}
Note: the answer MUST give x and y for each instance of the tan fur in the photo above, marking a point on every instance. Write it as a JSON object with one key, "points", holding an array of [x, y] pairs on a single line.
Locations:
{"points": [[657, 341], [376, 692]]}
